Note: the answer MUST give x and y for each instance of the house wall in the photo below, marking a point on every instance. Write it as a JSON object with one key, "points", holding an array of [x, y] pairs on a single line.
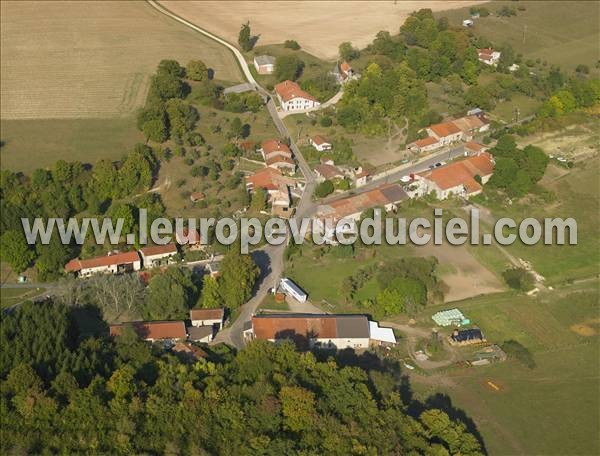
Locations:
{"points": [[445, 140], [297, 104], [210, 322], [111, 269], [151, 261], [341, 344]]}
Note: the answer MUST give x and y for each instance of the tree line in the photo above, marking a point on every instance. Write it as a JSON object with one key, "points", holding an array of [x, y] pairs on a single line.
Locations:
{"points": [[128, 396]]}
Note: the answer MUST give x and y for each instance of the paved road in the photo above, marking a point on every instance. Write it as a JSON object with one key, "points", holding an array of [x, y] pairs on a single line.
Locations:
{"points": [[269, 258]]}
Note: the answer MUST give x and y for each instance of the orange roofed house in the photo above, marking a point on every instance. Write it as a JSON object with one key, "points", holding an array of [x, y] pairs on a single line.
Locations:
{"points": [[153, 330], [458, 178], [445, 133], [115, 263], [277, 155], [292, 98]]}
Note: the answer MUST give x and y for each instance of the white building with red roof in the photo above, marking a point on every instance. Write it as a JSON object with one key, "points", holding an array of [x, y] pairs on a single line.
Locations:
{"points": [[158, 255], [489, 56], [277, 155], [113, 263], [424, 145], [461, 178], [292, 98], [445, 133], [320, 143]]}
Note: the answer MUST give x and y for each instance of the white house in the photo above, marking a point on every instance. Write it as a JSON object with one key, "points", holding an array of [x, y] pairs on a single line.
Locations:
{"points": [[319, 330], [158, 255], [462, 178], [292, 98], [264, 64], [424, 145], [207, 317], [489, 56], [445, 133], [320, 143], [114, 263], [361, 176]]}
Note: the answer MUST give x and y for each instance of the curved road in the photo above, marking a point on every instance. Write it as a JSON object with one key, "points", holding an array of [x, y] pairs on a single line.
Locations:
{"points": [[269, 258]]}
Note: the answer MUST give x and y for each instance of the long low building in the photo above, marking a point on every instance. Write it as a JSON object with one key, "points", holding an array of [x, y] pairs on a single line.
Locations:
{"points": [[115, 263], [320, 330]]}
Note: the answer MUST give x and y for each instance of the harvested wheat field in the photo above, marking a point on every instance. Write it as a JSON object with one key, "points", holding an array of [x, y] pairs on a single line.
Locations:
{"points": [[319, 27], [64, 60]]}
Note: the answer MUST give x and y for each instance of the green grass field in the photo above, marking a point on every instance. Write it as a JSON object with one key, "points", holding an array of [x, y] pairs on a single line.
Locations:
{"points": [[565, 33], [551, 409], [12, 296], [39, 143]]}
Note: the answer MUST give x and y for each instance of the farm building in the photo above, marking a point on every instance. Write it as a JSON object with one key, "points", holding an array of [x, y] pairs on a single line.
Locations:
{"points": [[153, 330], [158, 255], [264, 64], [466, 336], [319, 330], [114, 263]]}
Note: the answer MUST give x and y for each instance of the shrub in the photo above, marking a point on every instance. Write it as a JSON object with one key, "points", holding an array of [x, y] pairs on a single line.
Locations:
{"points": [[326, 121], [516, 350], [291, 44], [323, 189], [518, 279]]}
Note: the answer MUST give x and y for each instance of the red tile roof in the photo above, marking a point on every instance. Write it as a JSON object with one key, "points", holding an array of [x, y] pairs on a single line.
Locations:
{"points": [[288, 90], [379, 196], [462, 172], [108, 260], [444, 129], [273, 145], [159, 249], [197, 196], [475, 146], [153, 329], [207, 314], [345, 67], [279, 159], [318, 140], [328, 171], [425, 142], [269, 179]]}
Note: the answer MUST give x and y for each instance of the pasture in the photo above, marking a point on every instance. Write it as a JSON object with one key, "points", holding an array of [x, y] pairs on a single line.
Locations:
{"points": [[564, 33], [551, 409], [91, 59], [319, 27]]}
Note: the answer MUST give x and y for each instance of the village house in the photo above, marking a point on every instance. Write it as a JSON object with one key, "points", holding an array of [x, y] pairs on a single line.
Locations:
{"points": [[277, 155], [158, 255], [189, 239], [292, 98], [270, 179], [320, 143], [361, 176], [474, 148], [325, 171], [264, 64], [281, 163], [349, 210], [445, 133], [113, 263], [207, 317], [281, 202], [153, 330], [489, 56], [343, 72], [461, 178], [471, 125], [326, 331], [424, 145]]}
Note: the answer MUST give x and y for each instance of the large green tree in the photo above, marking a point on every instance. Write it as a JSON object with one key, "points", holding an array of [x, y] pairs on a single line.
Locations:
{"points": [[170, 295], [15, 251], [238, 276]]}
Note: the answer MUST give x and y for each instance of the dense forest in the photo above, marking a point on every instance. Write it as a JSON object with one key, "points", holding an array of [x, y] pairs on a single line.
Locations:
{"points": [[67, 388]]}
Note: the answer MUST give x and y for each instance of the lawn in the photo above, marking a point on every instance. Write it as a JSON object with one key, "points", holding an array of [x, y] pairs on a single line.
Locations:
{"points": [[576, 194], [12, 296], [565, 33], [551, 409], [39, 143]]}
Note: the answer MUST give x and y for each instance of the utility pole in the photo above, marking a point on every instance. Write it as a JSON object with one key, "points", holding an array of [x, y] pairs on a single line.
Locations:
{"points": [[524, 31]]}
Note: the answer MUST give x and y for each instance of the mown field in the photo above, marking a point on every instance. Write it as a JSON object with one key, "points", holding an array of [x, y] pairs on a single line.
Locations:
{"points": [[86, 59], [73, 75], [552, 409], [565, 33]]}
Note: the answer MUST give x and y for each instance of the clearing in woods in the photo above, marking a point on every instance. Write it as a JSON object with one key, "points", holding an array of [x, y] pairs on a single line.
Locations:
{"points": [[319, 27]]}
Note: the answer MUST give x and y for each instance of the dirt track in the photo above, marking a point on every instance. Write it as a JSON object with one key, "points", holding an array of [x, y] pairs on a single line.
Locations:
{"points": [[319, 27]]}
